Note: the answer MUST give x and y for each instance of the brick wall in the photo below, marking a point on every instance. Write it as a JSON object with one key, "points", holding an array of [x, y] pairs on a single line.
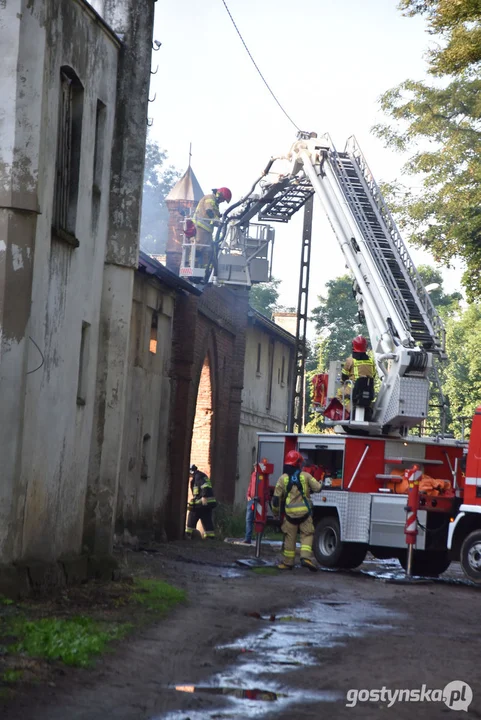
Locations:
{"points": [[200, 453], [211, 326]]}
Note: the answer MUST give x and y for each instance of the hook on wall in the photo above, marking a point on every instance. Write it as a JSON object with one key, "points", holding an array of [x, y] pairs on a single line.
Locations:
{"points": [[150, 122], [153, 99], [154, 73], [156, 45]]}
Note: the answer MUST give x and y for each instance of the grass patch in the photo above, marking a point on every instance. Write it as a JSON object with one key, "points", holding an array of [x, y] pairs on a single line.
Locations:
{"points": [[156, 595], [230, 522], [265, 570], [74, 641], [11, 676]]}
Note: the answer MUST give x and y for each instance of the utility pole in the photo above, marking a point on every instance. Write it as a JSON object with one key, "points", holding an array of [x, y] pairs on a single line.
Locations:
{"points": [[297, 409]]}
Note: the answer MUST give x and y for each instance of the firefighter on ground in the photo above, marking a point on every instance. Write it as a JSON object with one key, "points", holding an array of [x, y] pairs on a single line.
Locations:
{"points": [[292, 496], [201, 504], [359, 368], [206, 217]]}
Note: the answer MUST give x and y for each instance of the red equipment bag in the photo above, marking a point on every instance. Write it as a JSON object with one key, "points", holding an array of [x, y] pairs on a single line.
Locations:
{"points": [[334, 411], [319, 389], [190, 230]]}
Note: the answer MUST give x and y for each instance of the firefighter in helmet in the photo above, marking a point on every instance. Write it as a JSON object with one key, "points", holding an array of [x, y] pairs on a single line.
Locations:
{"points": [[206, 218], [201, 504], [359, 368], [292, 495]]}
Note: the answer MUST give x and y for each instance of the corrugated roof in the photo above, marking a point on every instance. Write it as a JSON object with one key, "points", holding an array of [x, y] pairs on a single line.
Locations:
{"points": [[187, 188]]}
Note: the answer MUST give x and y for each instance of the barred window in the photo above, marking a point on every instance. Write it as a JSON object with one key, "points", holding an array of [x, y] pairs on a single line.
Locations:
{"points": [[69, 139]]}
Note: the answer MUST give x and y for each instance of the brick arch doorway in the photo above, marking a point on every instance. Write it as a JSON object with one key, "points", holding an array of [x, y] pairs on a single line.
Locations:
{"points": [[201, 448]]}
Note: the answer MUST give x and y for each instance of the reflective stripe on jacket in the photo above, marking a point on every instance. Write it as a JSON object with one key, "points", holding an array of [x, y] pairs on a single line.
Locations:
{"points": [[201, 487], [295, 505], [359, 368], [208, 205]]}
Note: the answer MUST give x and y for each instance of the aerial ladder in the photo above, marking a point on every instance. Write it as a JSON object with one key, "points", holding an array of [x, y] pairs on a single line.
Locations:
{"points": [[406, 332]]}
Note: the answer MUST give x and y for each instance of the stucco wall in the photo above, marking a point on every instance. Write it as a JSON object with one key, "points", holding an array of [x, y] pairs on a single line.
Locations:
{"points": [[144, 472], [66, 291], [265, 397]]}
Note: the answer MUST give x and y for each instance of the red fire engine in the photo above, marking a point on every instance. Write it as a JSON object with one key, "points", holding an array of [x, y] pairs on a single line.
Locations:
{"points": [[365, 459]]}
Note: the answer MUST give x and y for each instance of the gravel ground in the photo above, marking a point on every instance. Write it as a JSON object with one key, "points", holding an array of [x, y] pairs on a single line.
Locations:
{"points": [[304, 639]]}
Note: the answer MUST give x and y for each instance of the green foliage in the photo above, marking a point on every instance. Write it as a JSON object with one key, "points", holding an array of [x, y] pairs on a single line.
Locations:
{"points": [[74, 641], [264, 297], [158, 180], [230, 521], [336, 320], [440, 125], [5, 600], [445, 303], [462, 383], [11, 676], [156, 595], [458, 24]]}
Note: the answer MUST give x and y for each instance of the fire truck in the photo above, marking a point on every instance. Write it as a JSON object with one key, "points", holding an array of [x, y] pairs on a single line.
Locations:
{"points": [[367, 451]]}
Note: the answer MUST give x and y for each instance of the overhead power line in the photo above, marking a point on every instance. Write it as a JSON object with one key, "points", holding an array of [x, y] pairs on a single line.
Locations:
{"points": [[257, 67]]}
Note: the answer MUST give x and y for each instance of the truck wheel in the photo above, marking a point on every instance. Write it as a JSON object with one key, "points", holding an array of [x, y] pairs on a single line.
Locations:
{"points": [[330, 551], [353, 554], [327, 546], [427, 563], [383, 553], [471, 556]]}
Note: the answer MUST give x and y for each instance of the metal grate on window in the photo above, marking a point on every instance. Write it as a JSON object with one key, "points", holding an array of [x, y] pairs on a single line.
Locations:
{"points": [[64, 155]]}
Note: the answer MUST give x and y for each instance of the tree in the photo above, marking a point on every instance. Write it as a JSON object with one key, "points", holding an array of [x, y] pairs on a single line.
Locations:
{"points": [[264, 297], [158, 180], [336, 320], [462, 383], [440, 125], [445, 303]]}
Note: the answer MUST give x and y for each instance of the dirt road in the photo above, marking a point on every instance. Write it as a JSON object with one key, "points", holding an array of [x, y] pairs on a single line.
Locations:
{"points": [[304, 639]]}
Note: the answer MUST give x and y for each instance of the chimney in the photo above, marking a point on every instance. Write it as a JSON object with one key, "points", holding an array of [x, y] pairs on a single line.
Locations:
{"points": [[181, 202]]}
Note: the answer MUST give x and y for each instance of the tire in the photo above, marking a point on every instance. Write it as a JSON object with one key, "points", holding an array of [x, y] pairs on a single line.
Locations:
{"points": [[383, 553], [327, 545], [353, 555], [330, 551], [427, 563], [471, 556]]}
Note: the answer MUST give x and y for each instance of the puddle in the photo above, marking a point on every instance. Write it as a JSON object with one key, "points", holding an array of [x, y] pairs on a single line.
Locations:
{"points": [[240, 693], [280, 644]]}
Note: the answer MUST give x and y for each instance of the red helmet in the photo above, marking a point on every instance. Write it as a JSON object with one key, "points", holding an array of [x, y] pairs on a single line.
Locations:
{"points": [[359, 344], [293, 458], [225, 194]]}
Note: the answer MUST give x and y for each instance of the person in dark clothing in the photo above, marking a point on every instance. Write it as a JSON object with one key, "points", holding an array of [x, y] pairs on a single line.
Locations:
{"points": [[201, 504]]}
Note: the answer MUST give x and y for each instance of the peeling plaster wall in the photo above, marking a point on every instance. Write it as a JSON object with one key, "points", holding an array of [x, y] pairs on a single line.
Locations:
{"points": [[133, 19], [144, 473], [22, 40], [257, 413], [66, 289]]}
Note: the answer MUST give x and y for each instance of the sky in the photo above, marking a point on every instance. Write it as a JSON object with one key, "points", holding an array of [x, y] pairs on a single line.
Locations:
{"points": [[327, 61]]}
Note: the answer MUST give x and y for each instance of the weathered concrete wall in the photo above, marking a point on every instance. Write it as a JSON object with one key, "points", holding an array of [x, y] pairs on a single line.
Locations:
{"points": [[133, 19], [144, 471], [67, 289], [265, 396]]}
